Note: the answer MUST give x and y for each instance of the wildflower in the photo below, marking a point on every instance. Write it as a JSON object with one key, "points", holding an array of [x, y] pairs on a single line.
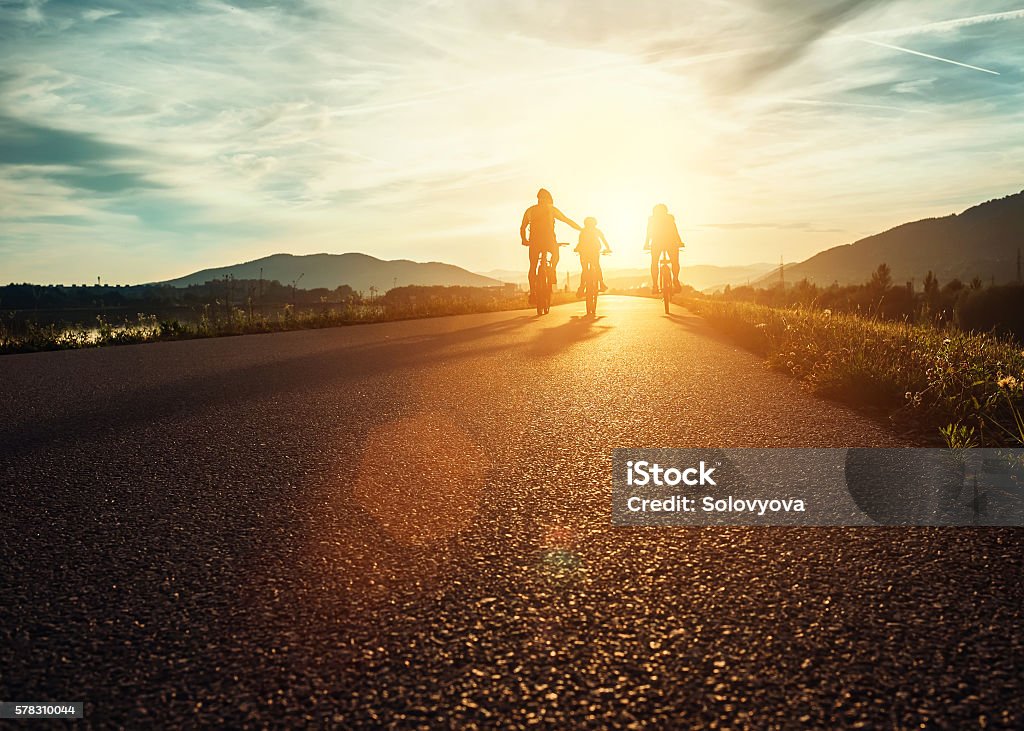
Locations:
{"points": [[761, 325], [1008, 382], [947, 341], [828, 312]]}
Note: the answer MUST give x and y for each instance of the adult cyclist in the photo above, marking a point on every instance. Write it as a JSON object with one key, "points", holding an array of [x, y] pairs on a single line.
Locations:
{"points": [[540, 220], [662, 235]]}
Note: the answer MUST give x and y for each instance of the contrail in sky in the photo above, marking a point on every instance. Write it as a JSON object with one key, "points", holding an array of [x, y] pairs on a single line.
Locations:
{"points": [[953, 23], [928, 55]]}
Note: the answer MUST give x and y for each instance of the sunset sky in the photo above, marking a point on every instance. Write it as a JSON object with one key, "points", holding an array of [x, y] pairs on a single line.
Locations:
{"points": [[141, 141]]}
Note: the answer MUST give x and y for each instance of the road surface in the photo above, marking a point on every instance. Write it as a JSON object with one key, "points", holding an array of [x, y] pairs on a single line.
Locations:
{"points": [[407, 524]]}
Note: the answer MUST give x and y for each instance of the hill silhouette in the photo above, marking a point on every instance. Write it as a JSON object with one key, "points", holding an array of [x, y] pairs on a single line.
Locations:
{"points": [[359, 271], [982, 241]]}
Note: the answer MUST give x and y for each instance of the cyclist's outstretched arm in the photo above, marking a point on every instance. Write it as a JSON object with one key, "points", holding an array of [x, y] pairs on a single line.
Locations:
{"points": [[522, 227], [607, 248], [565, 219]]}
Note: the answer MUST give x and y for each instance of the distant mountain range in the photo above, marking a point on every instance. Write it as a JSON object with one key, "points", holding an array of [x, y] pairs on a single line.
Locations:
{"points": [[983, 241], [358, 271]]}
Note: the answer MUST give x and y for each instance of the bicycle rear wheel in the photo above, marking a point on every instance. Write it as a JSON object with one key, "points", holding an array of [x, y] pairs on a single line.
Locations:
{"points": [[544, 289], [666, 287]]}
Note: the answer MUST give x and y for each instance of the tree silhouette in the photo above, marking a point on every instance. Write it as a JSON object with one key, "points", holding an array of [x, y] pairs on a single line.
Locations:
{"points": [[881, 278]]}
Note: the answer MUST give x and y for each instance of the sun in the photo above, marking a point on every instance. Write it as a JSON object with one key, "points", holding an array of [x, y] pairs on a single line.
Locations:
{"points": [[621, 214]]}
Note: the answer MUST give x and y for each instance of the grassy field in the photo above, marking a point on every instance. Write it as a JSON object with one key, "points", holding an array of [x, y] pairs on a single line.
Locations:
{"points": [[954, 388], [35, 337]]}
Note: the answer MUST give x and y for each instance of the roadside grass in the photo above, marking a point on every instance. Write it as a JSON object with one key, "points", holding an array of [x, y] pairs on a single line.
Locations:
{"points": [[954, 388], [33, 337]]}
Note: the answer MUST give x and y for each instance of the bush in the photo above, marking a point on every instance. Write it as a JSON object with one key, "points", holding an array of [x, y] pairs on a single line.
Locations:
{"points": [[994, 309]]}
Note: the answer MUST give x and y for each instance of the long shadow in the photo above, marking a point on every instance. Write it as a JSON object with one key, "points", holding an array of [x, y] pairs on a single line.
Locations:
{"points": [[699, 326], [101, 415], [578, 329]]}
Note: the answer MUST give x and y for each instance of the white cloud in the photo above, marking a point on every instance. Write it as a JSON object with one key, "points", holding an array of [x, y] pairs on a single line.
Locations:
{"points": [[94, 14], [34, 11]]}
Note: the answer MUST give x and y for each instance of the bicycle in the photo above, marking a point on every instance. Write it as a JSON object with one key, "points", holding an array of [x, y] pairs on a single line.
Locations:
{"points": [[591, 286], [665, 282], [543, 282]]}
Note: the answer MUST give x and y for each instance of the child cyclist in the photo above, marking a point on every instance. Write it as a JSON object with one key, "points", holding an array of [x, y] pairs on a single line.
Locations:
{"points": [[590, 251]]}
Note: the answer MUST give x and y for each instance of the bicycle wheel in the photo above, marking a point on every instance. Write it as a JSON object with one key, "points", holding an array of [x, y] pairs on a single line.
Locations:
{"points": [[589, 292], [538, 288], [544, 296], [666, 287]]}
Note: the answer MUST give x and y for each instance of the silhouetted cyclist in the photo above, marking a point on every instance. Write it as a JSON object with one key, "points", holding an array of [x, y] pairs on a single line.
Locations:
{"points": [[662, 235], [589, 249], [540, 219]]}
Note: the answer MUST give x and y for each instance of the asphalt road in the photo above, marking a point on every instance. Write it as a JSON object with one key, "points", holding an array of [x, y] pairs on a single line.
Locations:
{"points": [[407, 524]]}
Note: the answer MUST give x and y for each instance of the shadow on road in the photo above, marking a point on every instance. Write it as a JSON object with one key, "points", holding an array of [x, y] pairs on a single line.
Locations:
{"points": [[700, 326], [142, 402], [579, 328]]}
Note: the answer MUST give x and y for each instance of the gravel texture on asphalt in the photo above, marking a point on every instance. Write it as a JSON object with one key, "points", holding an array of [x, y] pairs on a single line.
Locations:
{"points": [[408, 524]]}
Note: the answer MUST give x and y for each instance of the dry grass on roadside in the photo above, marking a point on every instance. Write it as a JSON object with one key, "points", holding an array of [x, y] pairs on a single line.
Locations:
{"points": [[33, 337], [963, 389]]}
